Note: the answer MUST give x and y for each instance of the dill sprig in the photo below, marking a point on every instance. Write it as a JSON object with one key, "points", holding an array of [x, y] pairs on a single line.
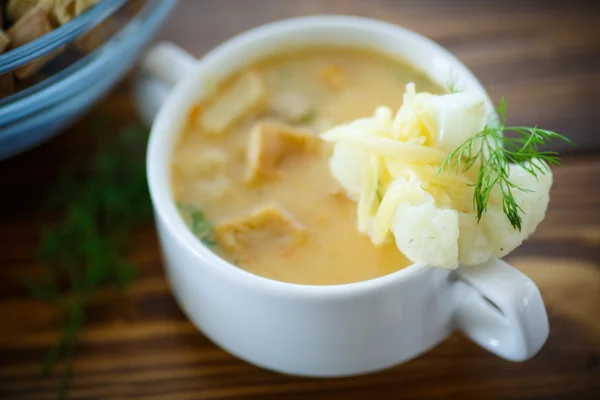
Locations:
{"points": [[493, 152], [85, 251]]}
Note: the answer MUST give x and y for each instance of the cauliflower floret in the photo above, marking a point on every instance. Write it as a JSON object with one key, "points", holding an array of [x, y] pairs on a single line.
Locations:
{"points": [[494, 236], [389, 165], [535, 201], [454, 118], [443, 237], [427, 234], [347, 164]]}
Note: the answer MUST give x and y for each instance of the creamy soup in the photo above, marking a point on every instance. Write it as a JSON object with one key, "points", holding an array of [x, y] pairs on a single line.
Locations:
{"points": [[251, 176]]}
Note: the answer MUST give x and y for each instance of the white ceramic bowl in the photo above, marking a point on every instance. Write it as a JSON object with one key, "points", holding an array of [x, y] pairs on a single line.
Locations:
{"points": [[335, 330]]}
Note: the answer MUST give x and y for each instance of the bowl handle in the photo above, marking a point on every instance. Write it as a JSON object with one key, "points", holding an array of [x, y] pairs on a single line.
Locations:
{"points": [[501, 309], [160, 69]]}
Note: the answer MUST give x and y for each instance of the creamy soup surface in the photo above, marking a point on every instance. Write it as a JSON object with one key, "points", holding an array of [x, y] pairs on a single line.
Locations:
{"points": [[277, 212]]}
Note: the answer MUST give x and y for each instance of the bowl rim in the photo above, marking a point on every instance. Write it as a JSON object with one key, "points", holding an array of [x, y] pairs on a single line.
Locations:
{"points": [[58, 37]]}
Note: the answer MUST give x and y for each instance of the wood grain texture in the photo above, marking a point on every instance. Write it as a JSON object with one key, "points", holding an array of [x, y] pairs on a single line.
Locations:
{"points": [[543, 56]]}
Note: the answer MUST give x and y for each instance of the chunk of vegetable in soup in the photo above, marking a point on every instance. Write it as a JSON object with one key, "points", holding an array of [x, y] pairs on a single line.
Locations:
{"points": [[256, 185]]}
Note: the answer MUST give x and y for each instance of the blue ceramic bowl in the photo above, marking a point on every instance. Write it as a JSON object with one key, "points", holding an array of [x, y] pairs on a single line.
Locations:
{"points": [[35, 114]]}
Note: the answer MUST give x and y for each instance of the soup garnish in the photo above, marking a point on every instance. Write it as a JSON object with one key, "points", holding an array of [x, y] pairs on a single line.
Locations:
{"points": [[480, 199]]}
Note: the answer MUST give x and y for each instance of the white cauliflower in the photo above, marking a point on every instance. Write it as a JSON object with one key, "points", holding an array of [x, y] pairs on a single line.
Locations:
{"points": [[427, 234], [388, 165], [454, 118], [347, 164], [444, 237]]}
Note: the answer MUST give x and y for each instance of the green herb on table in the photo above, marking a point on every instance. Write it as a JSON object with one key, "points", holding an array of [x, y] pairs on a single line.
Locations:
{"points": [[85, 251], [493, 152]]}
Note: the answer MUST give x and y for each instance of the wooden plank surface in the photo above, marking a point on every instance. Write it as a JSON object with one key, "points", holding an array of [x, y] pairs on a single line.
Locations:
{"points": [[543, 56]]}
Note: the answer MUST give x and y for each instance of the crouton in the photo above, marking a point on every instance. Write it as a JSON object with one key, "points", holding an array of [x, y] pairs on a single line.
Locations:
{"points": [[64, 11], [266, 227], [17, 9], [269, 144], [246, 94], [4, 40], [96, 36], [31, 26]]}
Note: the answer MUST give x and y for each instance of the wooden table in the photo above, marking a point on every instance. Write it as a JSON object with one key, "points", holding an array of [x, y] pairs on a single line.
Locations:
{"points": [[543, 56]]}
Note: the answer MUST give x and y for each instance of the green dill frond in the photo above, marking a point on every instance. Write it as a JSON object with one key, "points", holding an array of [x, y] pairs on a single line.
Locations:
{"points": [[494, 151], [86, 250]]}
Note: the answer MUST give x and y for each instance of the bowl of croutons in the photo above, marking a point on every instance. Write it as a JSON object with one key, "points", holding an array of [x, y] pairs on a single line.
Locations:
{"points": [[58, 57]]}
